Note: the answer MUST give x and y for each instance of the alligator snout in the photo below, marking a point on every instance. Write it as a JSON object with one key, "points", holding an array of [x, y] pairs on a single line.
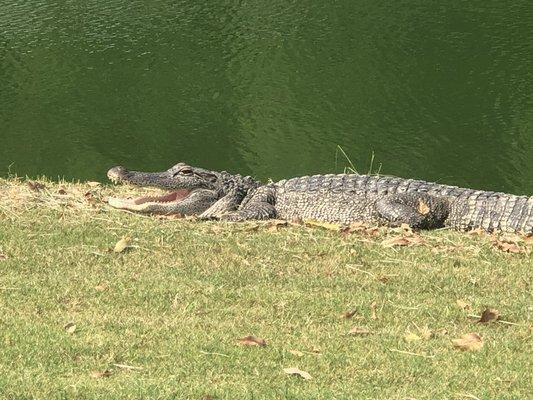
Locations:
{"points": [[117, 173]]}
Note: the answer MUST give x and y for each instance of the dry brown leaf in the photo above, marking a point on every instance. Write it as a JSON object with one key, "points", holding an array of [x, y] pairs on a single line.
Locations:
{"points": [[469, 342], [402, 241], [348, 314], [252, 341], [489, 315], [102, 287], [298, 372], [463, 305], [103, 374], [412, 337], [425, 332], [322, 224], [358, 330], [35, 186], [70, 327], [296, 353], [3, 257], [122, 244], [423, 208], [360, 227], [62, 191], [509, 244]]}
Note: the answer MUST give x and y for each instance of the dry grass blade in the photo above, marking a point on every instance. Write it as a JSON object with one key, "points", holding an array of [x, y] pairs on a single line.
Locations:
{"points": [[252, 341], [128, 367], [469, 342], [298, 372]]}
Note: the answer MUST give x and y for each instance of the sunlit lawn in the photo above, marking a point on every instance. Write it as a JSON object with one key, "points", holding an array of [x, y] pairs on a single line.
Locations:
{"points": [[162, 319]]}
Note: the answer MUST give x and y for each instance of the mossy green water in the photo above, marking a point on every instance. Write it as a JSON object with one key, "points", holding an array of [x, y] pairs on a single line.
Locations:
{"points": [[163, 317]]}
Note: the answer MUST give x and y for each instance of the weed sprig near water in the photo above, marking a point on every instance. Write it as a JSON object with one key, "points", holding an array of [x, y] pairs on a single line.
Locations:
{"points": [[97, 303]]}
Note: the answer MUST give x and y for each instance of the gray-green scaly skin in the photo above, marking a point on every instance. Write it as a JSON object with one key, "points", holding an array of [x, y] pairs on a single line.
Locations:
{"points": [[343, 199]]}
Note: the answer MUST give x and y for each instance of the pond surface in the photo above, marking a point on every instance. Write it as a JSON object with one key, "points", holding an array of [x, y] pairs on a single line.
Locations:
{"points": [[269, 88]]}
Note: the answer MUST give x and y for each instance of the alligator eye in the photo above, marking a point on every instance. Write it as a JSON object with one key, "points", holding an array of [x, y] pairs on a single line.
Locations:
{"points": [[186, 172]]}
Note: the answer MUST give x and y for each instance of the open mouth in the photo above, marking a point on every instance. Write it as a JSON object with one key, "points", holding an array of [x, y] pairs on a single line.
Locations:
{"points": [[150, 202]]}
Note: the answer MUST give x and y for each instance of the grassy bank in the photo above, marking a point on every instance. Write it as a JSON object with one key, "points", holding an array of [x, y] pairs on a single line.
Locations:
{"points": [[162, 318]]}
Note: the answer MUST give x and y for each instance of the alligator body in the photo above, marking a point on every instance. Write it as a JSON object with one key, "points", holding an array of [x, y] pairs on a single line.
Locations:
{"points": [[342, 199]]}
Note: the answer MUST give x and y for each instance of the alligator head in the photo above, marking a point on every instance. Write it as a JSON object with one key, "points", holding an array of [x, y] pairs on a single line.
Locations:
{"points": [[188, 190]]}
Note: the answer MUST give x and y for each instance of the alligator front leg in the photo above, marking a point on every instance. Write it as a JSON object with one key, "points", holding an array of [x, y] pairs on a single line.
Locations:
{"points": [[230, 202], [258, 204], [418, 210]]}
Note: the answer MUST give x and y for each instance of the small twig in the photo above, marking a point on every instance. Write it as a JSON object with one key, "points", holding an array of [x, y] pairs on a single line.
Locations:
{"points": [[213, 354], [498, 320], [411, 354]]}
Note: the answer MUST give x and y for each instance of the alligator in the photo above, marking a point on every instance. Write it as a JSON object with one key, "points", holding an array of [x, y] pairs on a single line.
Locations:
{"points": [[341, 199]]}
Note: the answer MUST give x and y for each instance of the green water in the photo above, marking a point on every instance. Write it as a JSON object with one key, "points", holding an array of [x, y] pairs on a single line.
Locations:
{"points": [[436, 90]]}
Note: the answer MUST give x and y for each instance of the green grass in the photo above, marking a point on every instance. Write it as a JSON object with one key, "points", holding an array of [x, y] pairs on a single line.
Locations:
{"points": [[175, 303]]}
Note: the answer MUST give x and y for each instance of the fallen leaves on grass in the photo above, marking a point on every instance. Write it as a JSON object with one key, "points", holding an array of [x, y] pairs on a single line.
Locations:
{"points": [[298, 372], [122, 244], [101, 374], [360, 227], [469, 342], [70, 327], [509, 244], [358, 330], [3, 257], [489, 315], [252, 341]]}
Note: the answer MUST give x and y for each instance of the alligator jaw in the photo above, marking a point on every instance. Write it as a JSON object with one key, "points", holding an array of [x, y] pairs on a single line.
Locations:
{"points": [[163, 204]]}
